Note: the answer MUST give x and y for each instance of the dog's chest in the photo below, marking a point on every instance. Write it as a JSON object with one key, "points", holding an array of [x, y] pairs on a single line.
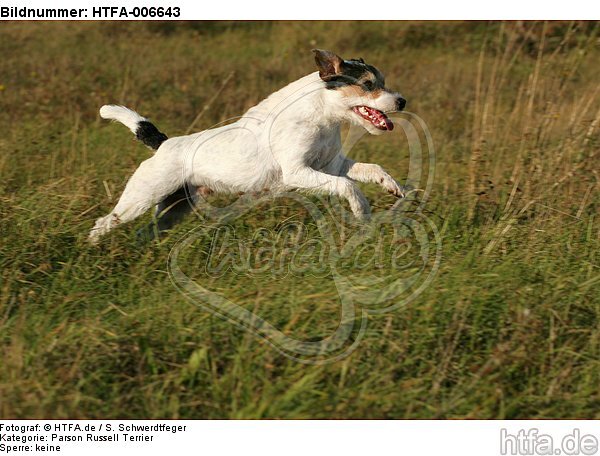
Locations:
{"points": [[325, 145]]}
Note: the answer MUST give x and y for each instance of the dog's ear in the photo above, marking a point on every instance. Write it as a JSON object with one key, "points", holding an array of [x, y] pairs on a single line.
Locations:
{"points": [[328, 63]]}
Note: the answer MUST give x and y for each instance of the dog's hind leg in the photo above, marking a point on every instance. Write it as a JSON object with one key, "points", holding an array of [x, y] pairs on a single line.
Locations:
{"points": [[150, 183], [170, 211]]}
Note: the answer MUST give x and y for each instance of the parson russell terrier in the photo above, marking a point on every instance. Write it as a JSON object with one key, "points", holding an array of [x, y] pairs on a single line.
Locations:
{"points": [[289, 141]]}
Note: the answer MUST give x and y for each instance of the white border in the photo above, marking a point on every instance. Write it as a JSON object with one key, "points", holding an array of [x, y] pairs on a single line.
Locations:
{"points": [[351, 9], [302, 438]]}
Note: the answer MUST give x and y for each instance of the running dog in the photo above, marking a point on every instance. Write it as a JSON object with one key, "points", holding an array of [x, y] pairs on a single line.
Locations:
{"points": [[289, 141]]}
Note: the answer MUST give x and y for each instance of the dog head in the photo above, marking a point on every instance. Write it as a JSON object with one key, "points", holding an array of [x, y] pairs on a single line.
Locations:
{"points": [[357, 91]]}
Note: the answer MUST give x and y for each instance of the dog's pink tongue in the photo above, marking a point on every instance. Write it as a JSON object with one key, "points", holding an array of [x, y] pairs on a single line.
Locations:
{"points": [[389, 125]]}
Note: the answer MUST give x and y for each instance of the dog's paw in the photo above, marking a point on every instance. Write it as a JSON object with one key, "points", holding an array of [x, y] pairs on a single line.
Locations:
{"points": [[94, 237], [392, 186], [360, 207], [363, 216], [101, 227]]}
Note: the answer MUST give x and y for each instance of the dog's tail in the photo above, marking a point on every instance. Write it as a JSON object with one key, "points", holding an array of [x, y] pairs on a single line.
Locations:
{"points": [[143, 129]]}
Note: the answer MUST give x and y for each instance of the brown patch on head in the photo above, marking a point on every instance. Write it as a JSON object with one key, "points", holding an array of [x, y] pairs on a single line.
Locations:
{"points": [[357, 90], [349, 91], [367, 76], [351, 73], [352, 77]]}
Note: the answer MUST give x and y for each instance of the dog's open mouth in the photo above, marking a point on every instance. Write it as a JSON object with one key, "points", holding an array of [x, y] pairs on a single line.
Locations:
{"points": [[377, 118]]}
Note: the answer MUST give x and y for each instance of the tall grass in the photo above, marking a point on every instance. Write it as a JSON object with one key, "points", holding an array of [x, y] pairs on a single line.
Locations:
{"points": [[510, 327]]}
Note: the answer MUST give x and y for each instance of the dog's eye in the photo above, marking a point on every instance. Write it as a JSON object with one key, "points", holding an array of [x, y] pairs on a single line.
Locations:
{"points": [[368, 85]]}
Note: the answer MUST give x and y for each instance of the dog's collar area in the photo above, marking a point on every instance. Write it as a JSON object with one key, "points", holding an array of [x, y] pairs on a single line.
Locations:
{"points": [[377, 118]]}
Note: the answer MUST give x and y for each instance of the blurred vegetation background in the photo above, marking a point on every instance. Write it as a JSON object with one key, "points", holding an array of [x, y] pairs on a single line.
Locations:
{"points": [[510, 327]]}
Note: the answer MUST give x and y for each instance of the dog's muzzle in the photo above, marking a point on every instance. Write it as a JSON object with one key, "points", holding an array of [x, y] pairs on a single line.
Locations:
{"points": [[400, 104]]}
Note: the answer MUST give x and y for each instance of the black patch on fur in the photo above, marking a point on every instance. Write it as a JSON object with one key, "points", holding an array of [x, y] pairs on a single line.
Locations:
{"points": [[353, 71], [149, 135]]}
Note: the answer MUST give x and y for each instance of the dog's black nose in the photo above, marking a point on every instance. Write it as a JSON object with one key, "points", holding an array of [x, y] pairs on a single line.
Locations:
{"points": [[400, 103]]}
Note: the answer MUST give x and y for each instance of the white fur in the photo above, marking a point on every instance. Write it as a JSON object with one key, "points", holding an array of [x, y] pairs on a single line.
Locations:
{"points": [[291, 140], [126, 116]]}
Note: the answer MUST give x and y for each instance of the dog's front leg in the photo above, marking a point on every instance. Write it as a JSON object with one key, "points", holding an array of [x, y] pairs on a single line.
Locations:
{"points": [[308, 179], [370, 172], [364, 172]]}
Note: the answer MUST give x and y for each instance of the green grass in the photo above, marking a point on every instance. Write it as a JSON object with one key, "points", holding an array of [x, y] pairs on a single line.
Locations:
{"points": [[509, 328]]}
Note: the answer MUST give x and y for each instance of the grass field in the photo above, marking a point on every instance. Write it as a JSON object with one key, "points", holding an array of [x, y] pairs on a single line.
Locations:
{"points": [[509, 327]]}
